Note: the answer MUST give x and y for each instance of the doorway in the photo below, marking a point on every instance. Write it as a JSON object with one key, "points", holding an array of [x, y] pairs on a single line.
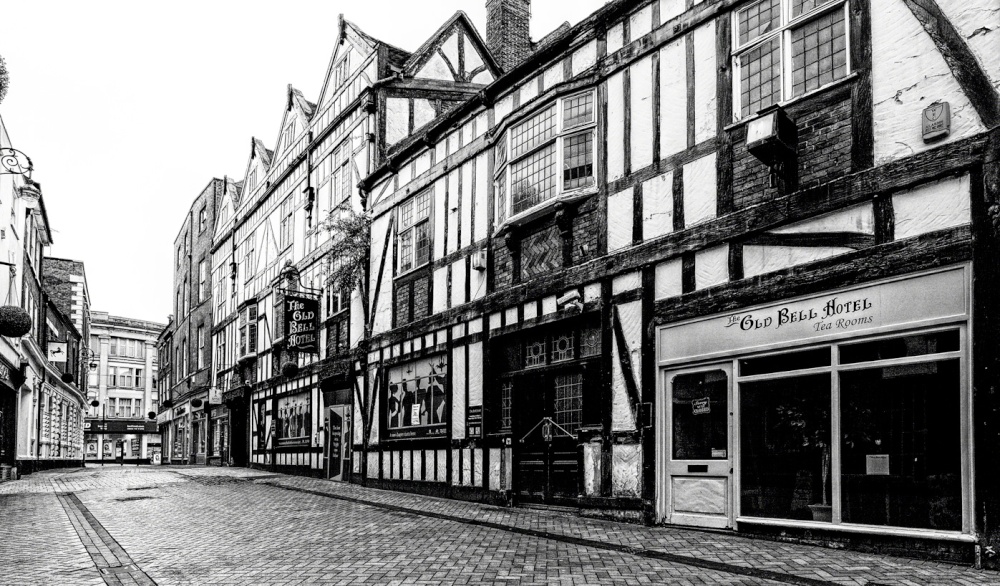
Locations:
{"points": [[694, 447], [337, 430], [546, 451]]}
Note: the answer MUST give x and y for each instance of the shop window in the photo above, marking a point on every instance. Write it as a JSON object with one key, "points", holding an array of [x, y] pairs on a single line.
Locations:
{"points": [[294, 419], [785, 362], [785, 448], [783, 49], [416, 404], [901, 449], [918, 345], [558, 137]]}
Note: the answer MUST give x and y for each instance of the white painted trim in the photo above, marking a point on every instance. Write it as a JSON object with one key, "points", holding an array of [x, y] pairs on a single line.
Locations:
{"points": [[866, 529]]}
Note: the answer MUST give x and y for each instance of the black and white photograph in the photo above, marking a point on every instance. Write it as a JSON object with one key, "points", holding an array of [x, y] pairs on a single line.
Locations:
{"points": [[500, 292]]}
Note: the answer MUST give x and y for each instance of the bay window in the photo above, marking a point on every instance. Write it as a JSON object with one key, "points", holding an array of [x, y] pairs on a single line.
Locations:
{"points": [[559, 136], [786, 48]]}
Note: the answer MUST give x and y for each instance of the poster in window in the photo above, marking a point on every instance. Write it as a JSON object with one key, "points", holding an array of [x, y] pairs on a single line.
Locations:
{"points": [[417, 403], [293, 424], [301, 323]]}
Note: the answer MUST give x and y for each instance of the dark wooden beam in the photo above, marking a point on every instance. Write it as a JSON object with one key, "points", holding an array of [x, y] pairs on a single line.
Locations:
{"points": [[812, 239]]}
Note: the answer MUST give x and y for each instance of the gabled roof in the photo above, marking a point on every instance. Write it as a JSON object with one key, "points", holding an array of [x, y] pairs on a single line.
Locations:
{"points": [[295, 98], [397, 56], [430, 46], [257, 149]]}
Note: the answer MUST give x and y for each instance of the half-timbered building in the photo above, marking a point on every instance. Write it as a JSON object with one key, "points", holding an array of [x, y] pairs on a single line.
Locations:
{"points": [[712, 263]]}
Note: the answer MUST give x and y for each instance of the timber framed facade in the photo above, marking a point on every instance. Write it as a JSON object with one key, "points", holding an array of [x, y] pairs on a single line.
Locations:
{"points": [[683, 326]]}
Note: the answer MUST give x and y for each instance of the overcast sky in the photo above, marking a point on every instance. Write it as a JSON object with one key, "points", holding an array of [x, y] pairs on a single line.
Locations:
{"points": [[128, 109]]}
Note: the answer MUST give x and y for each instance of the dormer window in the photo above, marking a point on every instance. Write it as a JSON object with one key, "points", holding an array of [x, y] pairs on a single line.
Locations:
{"points": [[559, 136]]}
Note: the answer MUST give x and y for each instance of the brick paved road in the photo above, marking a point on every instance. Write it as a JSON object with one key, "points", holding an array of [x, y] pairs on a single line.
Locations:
{"points": [[234, 526]]}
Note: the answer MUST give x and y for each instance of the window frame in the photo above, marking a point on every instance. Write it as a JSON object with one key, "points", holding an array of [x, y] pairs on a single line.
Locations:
{"points": [[286, 226], [506, 160], [426, 222], [786, 25]]}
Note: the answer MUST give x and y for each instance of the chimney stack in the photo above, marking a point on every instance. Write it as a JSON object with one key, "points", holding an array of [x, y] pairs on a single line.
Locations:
{"points": [[507, 34]]}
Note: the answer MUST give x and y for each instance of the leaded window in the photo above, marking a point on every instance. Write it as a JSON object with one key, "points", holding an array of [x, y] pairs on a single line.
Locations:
{"points": [[568, 405], [414, 236], [562, 348], [786, 48]]}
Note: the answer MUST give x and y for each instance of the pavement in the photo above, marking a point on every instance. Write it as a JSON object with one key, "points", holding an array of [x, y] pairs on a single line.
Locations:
{"points": [[208, 525]]}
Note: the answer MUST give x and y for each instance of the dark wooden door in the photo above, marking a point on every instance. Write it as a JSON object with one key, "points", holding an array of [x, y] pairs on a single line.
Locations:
{"points": [[547, 460]]}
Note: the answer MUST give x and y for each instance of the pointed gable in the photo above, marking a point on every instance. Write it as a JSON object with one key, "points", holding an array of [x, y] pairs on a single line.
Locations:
{"points": [[295, 120], [455, 52], [353, 52]]}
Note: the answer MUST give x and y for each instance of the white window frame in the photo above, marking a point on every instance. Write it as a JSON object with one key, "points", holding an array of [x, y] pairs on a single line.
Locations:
{"points": [[504, 211], [411, 228], [784, 32], [248, 330]]}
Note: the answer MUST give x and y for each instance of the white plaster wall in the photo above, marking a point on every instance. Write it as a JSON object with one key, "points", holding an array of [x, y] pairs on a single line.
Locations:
{"points": [[494, 474], [465, 238], [477, 467], [548, 305], [472, 58], [641, 98], [591, 469], [936, 206], [764, 259], [440, 188], [640, 23], [440, 150], [670, 9], [476, 373], [620, 220], [978, 22], [458, 282], [658, 206], [503, 108], [616, 127], [477, 284], [630, 314], [407, 464], [466, 467], [553, 75], [456, 467], [383, 309], [626, 462], [458, 392], [439, 299], [442, 465], [711, 266], [373, 465], [699, 190], [418, 464], [397, 119], [454, 194], [435, 68], [705, 114], [529, 90], [668, 279], [908, 74], [479, 205], [615, 38], [357, 320], [584, 58], [423, 163], [423, 112], [859, 218], [450, 49], [626, 282], [673, 98], [483, 77], [591, 292]]}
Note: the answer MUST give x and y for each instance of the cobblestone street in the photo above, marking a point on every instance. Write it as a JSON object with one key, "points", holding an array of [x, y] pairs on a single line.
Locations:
{"points": [[151, 525]]}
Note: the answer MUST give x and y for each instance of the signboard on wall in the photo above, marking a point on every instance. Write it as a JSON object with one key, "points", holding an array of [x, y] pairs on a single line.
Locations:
{"points": [[302, 323], [57, 352], [214, 396], [474, 421]]}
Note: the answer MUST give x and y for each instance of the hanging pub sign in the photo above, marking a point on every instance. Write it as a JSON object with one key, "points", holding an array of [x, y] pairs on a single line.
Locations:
{"points": [[301, 323]]}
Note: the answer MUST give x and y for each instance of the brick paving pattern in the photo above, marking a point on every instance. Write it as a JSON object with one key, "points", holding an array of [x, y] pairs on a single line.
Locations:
{"points": [[202, 525]]}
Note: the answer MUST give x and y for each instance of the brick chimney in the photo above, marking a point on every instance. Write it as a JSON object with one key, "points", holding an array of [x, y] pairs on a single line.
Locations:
{"points": [[507, 34]]}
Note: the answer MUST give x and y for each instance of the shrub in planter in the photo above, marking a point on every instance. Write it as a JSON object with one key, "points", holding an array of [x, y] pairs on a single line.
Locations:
{"points": [[14, 321], [289, 369], [151, 414], [67, 377]]}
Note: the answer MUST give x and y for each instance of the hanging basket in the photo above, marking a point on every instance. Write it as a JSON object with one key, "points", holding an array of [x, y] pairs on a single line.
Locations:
{"points": [[14, 321], [151, 415], [196, 403], [289, 369], [67, 377]]}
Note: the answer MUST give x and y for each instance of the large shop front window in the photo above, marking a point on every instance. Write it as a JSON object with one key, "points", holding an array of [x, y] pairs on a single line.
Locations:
{"points": [[898, 458], [416, 401], [294, 419], [785, 48], [558, 137]]}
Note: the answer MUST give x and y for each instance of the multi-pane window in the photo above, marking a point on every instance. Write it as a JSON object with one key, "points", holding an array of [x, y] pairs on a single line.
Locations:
{"points": [[248, 330], [286, 222], [506, 390], [568, 403], [140, 381], [112, 376], [414, 239], [560, 136], [202, 220], [184, 358], [786, 48], [202, 279], [125, 378], [201, 347]]}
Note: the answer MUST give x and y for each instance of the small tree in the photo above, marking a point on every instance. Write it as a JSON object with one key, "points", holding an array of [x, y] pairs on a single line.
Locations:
{"points": [[348, 255]]}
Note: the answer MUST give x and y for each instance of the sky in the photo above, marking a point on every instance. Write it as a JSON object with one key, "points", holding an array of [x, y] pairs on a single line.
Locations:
{"points": [[128, 109]]}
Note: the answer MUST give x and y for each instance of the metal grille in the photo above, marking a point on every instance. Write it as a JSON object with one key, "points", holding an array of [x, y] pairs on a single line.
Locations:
{"points": [[760, 19], [760, 77], [578, 157], [562, 348], [819, 52], [534, 354], [533, 132], [568, 407], [506, 392], [533, 179], [578, 110]]}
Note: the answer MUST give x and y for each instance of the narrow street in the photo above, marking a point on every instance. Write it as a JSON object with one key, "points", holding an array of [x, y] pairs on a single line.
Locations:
{"points": [[200, 525]]}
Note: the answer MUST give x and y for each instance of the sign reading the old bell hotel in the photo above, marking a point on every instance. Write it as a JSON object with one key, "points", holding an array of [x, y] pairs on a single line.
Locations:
{"points": [[301, 323]]}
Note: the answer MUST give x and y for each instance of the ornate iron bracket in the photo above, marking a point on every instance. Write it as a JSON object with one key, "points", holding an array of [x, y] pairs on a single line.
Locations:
{"points": [[15, 162]]}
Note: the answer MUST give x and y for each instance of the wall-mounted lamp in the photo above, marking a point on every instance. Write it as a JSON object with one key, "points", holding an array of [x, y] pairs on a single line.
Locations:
{"points": [[772, 138]]}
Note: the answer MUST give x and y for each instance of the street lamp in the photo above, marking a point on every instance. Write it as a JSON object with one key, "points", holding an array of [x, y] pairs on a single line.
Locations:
{"points": [[104, 424]]}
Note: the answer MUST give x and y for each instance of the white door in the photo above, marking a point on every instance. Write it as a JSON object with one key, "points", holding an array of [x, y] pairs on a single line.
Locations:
{"points": [[694, 448]]}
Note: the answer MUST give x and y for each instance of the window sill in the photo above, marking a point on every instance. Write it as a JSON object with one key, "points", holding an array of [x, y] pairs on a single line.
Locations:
{"points": [[844, 80], [544, 208], [410, 272]]}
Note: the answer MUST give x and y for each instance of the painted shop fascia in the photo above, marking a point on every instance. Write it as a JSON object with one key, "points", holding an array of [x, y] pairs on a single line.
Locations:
{"points": [[683, 222]]}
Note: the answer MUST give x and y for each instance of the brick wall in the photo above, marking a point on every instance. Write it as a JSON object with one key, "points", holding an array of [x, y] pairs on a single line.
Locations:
{"points": [[412, 293], [585, 236], [507, 34]]}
